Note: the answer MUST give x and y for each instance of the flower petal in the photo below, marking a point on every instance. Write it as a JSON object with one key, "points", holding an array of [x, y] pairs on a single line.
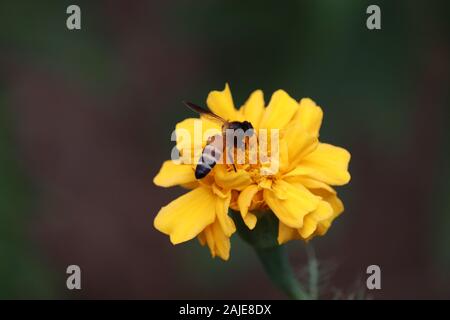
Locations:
{"points": [[309, 116], [336, 204], [218, 243], [328, 195], [221, 103], [300, 143], [314, 223], [230, 179], [253, 109], [222, 206], [185, 217], [286, 233], [245, 198], [250, 220], [190, 185], [323, 212], [172, 174], [279, 112], [327, 163], [202, 238], [244, 201], [307, 182], [290, 203]]}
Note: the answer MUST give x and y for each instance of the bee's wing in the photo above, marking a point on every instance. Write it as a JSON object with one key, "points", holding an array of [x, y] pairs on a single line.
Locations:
{"points": [[205, 113]]}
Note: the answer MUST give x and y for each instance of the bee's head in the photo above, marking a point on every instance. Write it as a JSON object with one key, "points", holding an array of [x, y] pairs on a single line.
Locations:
{"points": [[236, 125], [246, 125]]}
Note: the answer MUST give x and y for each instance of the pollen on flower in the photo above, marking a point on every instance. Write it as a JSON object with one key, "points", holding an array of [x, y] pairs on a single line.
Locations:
{"points": [[287, 173]]}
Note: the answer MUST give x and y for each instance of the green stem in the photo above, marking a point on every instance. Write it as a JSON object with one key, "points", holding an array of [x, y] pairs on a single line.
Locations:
{"points": [[276, 264], [263, 238]]}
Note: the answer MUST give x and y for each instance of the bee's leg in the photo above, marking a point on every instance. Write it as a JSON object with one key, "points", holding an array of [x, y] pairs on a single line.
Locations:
{"points": [[231, 157]]}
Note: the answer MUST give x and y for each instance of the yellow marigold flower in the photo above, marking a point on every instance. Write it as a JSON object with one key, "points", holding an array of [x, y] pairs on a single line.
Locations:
{"points": [[299, 193]]}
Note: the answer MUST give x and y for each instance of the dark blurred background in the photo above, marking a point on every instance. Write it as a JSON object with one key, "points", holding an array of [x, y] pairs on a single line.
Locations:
{"points": [[86, 118]]}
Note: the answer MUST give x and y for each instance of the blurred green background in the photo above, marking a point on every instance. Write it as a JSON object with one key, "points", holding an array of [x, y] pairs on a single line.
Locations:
{"points": [[86, 118]]}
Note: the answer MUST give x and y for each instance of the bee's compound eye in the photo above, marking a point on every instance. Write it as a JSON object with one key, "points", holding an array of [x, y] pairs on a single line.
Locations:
{"points": [[247, 126]]}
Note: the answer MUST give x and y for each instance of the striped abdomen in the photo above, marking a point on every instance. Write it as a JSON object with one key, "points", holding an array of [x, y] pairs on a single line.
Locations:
{"points": [[210, 156]]}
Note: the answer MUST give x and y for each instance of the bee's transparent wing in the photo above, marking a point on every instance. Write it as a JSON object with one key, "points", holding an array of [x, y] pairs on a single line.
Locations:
{"points": [[204, 113]]}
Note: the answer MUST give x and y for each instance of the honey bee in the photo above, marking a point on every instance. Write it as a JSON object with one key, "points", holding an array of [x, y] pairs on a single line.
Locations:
{"points": [[216, 145]]}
